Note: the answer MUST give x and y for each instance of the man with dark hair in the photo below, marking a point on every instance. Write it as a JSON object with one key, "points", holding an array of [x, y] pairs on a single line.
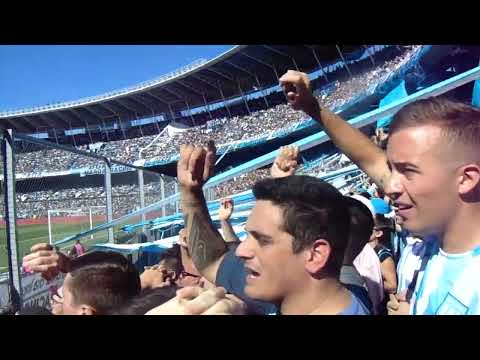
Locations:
{"points": [[95, 283], [298, 232], [361, 227], [431, 171], [98, 282]]}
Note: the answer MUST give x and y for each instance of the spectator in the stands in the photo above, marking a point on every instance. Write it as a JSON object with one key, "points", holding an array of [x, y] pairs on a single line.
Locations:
{"points": [[380, 241], [147, 300], [95, 283], [287, 261]]}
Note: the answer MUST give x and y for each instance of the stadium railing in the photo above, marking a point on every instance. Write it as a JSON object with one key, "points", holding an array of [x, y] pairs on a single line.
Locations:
{"points": [[315, 139]]}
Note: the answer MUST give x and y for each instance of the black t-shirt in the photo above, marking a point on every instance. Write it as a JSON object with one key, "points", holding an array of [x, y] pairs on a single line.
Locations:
{"points": [[231, 275], [383, 252]]}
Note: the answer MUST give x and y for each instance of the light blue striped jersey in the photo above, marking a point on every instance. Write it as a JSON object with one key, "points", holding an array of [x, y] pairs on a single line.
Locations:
{"points": [[449, 285], [445, 283]]}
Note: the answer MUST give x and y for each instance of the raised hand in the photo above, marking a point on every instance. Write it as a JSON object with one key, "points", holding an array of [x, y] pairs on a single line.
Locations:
{"points": [[182, 238], [195, 166], [45, 260], [286, 162], [194, 300], [226, 209], [299, 94], [155, 277]]}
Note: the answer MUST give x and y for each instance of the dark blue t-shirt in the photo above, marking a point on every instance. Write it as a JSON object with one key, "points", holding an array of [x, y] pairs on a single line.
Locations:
{"points": [[231, 275]]}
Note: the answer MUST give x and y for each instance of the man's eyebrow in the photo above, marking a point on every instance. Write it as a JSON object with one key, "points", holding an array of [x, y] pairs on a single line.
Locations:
{"points": [[259, 235], [403, 164]]}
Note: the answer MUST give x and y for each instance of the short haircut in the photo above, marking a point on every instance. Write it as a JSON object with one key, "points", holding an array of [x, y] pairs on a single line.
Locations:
{"points": [[103, 280], [361, 225], [387, 226], [146, 301], [459, 122], [312, 209], [172, 260]]}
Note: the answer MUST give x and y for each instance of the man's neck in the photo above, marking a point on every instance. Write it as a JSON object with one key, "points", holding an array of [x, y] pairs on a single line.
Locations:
{"points": [[463, 231], [325, 296]]}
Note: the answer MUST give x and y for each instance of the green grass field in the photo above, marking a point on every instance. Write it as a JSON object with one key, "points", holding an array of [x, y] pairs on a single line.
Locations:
{"points": [[29, 235]]}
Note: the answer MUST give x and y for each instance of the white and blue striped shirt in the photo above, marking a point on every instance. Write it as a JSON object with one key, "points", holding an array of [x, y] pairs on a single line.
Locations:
{"points": [[447, 284]]}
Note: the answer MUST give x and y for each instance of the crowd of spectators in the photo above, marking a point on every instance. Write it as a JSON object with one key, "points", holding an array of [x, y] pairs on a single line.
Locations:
{"points": [[222, 131], [125, 199], [404, 243]]}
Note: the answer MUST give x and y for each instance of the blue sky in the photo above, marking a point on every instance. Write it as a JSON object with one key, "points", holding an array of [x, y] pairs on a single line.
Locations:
{"points": [[40, 74]]}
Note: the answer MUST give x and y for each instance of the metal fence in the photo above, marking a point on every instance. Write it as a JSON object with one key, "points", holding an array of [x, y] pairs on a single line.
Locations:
{"points": [[54, 193], [57, 194]]}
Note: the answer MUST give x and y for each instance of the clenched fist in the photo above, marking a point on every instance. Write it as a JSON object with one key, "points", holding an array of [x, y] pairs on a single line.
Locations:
{"points": [[195, 166], [299, 94], [285, 163], [226, 209]]}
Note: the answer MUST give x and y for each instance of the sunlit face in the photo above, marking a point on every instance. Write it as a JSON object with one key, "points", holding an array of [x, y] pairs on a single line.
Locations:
{"points": [[57, 302], [423, 184], [69, 305], [273, 270]]}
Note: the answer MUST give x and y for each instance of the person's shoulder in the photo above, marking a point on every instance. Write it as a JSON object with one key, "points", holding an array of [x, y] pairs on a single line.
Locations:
{"points": [[356, 306]]}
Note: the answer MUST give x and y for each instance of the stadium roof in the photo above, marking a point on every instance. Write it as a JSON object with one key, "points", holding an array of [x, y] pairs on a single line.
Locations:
{"points": [[237, 71]]}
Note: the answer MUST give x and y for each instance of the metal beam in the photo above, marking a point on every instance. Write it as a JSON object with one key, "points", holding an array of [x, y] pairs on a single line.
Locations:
{"points": [[71, 149], [223, 98], [173, 93], [76, 117], [61, 115], [189, 87], [239, 68], [109, 108], [136, 101], [343, 59], [108, 198], [276, 50], [244, 98], [263, 93], [190, 112], [13, 256], [156, 97], [45, 121], [140, 100], [228, 77], [207, 106], [367, 50], [278, 79], [119, 102], [11, 124], [257, 60], [202, 80], [319, 63], [96, 115]]}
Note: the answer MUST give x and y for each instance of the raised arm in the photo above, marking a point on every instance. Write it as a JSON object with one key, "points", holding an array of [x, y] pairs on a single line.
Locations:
{"points": [[205, 244], [286, 162], [224, 214], [351, 141]]}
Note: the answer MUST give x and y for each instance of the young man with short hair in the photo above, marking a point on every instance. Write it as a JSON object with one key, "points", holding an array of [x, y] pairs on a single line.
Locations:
{"points": [[95, 283], [298, 232], [431, 171]]}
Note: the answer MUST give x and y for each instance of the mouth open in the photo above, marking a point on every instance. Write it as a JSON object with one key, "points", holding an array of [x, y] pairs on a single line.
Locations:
{"points": [[403, 206], [251, 274], [402, 210]]}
